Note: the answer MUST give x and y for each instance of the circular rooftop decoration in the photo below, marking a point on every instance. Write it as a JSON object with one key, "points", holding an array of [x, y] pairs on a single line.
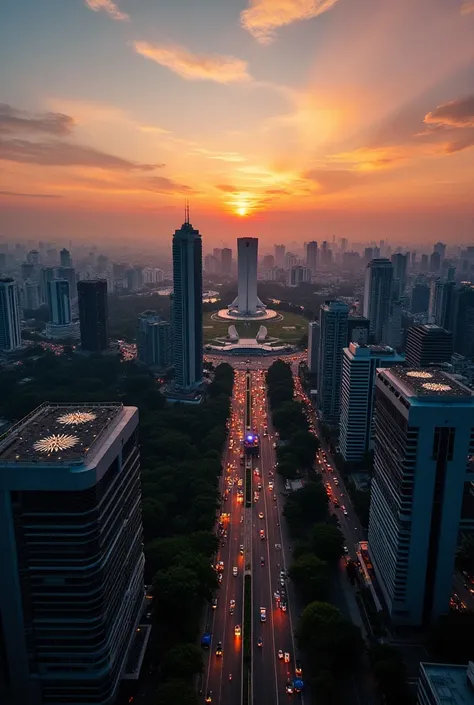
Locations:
{"points": [[76, 417], [436, 387], [55, 443], [419, 375]]}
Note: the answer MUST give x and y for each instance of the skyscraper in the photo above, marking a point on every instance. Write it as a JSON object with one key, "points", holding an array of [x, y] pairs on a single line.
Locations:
{"points": [[153, 340], [400, 264], [226, 260], [247, 302], [359, 364], [47, 275], [333, 336], [313, 346], [187, 305], [312, 256], [65, 259], [60, 302], [424, 436], [68, 273], [377, 297], [72, 555], [358, 329], [463, 320], [93, 314], [428, 345], [420, 298], [435, 262], [10, 329], [280, 255], [442, 303], [31, 295], [298, 275]]}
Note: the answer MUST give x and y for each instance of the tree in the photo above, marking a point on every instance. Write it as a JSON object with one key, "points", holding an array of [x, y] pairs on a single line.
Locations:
{"points": [[183, 661], [325, 685], [306, 506], [311, 577], [390, 673], [327, 542], [305, 446], [154, 517], [177, 692]]}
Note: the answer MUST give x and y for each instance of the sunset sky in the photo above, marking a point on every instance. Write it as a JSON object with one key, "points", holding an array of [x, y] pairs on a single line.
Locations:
{"points": [[283, 119]]}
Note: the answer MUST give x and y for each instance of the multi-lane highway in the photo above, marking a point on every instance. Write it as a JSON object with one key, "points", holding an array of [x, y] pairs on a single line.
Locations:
{"points": [[253, 540]]}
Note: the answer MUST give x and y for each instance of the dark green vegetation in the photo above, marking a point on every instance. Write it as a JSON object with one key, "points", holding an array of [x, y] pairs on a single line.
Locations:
{"points": [[181, 450], [331, 643], [390, 673]]}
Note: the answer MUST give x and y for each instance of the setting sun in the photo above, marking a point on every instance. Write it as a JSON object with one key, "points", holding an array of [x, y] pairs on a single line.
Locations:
{"points": [[242, 210]]}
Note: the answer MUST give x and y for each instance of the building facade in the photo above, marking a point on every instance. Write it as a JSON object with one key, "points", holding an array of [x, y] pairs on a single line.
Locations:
{"points": [[71, 595], [226, 261], [187, 306], [424, 443], [60, 302], [332, 340], [10, 328], [463, 320], [93, 314], [428, 344], [313, 346], [247, 302], [377, 297], [312, 256], [153, 341]]}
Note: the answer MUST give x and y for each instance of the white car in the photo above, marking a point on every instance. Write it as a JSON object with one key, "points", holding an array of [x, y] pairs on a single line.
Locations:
{"points": [[260, 515], [280, 654], [235, 571], [270, 485]]}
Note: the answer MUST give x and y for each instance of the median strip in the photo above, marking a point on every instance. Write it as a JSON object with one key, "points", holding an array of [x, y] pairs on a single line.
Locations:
{"points": [[247, 640]]}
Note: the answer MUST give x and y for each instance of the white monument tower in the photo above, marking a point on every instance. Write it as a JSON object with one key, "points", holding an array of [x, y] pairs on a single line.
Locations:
{"points": [[247, 302]]}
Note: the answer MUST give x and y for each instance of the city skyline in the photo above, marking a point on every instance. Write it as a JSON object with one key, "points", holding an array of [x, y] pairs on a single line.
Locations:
{"points": [[267, 115]]}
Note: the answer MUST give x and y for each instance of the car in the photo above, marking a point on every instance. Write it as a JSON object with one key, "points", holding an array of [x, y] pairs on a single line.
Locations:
{"points": [[289, 686], [219, 648], [262, 535], [298, 669], [263, 614], [241, 549], [346, 550], [344, 511], [260, 515], [214, 603], [219, 577], [280, 654], [282, 582], [287, 657], [270, 485], [220, 566], [237, 630], [209, 696], [262, 561], [235, 571], [274, 498], [259, 486], [259, 641], [282, 574]]}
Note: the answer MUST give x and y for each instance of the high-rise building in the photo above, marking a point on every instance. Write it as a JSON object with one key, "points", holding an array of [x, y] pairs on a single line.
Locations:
{"points": [[153, 340], [211, 265], [463, 320], [325, 254], [226, 261], [333, 337], [268, 263], [428, 344], [247, 302], [394, 333], [359, 364], [368, 255], [291, 260], [312, 256], [377, 297], [424, 437], [102, 264], [47, 275], [358, 330], [72, 552], [59, 302], [400, 264], [298, 275], [28, 271], [69, 274], [280, 251], [93, 314], [445, 683], [442, 303], [187, 305], [424, 263], [153, 275], [10, 328], [420, 298], [65, 259], [435, 262], [134, 277], [33, 257], [313, 346], [440, 249], [31, 295]]}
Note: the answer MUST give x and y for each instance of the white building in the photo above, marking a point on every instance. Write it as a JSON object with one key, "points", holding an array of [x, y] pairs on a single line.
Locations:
{"points": [[10, 329], [424, 448], [298, 275], [332, 340], [153, 275], [247, 302], [359, 363], [377, 297]]}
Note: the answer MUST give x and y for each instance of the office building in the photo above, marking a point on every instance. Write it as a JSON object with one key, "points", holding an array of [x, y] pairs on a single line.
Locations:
{"points": [[312, 256], [134, 277], [445, 684], [247, 302], [368, 255], [298, 275], [435, 262], [153, 341], [65, 259], [226, 261], [280, 251], [377, 297], [333, 337], [211, 265], [31, 295], [187, 305], [60, 302], [463, 320], [68, 273], [440, 249], [72, 554], [424, 263], [400, 265], [47, 274], [424, 436], [428, 344], [358, 329], [10, 329], [359, 364], [33, 257], [442, 303], [93, 315], [420, 298], [28, 271], [152, 275], [394, 335], [313, 346], [291, 260], [268, 263]]}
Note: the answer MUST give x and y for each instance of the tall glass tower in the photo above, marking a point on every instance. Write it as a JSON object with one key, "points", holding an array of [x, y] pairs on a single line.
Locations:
{"points": [[377, 297], [187, 305]]}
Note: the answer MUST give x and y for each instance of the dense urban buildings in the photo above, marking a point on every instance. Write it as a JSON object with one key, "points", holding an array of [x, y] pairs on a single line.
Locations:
{"points": [[154, 344], [71, 596], [359, 364], [428, 345], [424, 435], [332, 340], [93, 315], [10, 329], [187, 306], [377, 297], [312, 256]]}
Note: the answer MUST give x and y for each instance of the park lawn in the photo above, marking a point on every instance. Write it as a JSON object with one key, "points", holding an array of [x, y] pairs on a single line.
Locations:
{"points": [[298, 327]]}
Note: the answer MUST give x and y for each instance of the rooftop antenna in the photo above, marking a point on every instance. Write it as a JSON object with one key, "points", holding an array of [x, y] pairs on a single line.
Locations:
{"points": [[186, 212]]}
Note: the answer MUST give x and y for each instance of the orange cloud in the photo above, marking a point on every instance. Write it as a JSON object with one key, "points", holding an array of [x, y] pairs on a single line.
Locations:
{"points": [[467, 7], [109, 7], [264, 17], [195, 67], [456, 113]]}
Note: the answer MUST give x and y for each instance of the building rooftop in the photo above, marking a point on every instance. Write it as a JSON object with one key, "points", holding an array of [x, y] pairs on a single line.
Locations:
{"points": [[449, 683], [426, 382], [57, 433]]}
